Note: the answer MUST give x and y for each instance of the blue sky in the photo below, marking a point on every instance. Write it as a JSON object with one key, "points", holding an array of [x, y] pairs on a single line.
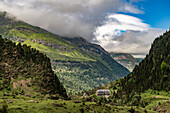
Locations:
{"points": [[156, 13]]}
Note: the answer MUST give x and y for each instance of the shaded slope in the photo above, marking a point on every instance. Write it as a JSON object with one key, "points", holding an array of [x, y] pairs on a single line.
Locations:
{"points": [[25, 70], [101, 56], [77, 69]]}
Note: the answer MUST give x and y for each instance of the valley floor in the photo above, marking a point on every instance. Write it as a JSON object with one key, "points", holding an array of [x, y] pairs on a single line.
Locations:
{"points": [[23, 104]]}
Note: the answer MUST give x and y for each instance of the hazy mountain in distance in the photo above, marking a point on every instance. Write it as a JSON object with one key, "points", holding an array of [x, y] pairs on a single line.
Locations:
{"points": [[126, 59]]}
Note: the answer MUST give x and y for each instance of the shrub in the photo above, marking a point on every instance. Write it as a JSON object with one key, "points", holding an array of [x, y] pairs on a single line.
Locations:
{"points": [[131, 110], [4, 107], [83, 103], [81, 110], [55, 97]]}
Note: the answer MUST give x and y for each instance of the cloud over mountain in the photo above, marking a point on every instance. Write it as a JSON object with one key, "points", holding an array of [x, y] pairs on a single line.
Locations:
{"points": [[65, 17], [95, 20]]}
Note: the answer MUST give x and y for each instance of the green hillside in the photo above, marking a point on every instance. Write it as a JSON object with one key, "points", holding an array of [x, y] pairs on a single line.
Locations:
{"points": [[125, 59], [24, 70], [79, 66]]}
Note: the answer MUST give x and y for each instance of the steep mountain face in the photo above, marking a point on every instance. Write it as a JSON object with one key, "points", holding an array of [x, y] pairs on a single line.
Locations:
{"points": [[24, 70], [152, 73], [79, 64], [125, 59], [100, 55]]}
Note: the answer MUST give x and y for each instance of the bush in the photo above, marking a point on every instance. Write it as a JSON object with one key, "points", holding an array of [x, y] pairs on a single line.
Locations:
{"points": [[136, 100], [88, 99], [131, 110], [55, 97], [83, 103], [102, 100], [4, 107], [81, 110]]}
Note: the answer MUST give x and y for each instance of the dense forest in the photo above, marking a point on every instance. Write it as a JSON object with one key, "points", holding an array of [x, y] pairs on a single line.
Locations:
{"points": [[25, 70]]}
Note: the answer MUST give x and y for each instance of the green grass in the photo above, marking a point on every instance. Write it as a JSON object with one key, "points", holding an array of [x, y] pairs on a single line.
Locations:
{"points": [[155, 98], [31, 32], [21, 104], [55, 54]]}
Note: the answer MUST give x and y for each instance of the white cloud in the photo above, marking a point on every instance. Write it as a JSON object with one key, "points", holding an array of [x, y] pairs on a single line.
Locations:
{"points": [[137, 38], [114, 24], [132, 9]]}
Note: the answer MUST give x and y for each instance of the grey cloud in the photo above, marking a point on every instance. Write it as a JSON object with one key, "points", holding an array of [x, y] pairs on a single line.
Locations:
{"points": [[137, 43], [63, 17]]}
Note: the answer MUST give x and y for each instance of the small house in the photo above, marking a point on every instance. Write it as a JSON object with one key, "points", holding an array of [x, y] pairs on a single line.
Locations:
{"points": [[103, 92]]}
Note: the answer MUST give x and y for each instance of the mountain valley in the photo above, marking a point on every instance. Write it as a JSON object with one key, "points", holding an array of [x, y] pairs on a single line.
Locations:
{"points": [[44, 72], [72, 59]]}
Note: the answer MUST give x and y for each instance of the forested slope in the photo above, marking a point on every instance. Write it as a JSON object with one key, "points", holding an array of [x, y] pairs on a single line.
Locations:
{"points": [[24, 70]]}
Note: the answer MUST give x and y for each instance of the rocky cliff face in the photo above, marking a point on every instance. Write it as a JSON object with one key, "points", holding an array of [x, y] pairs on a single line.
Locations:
{"points": [[86, 46]]}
